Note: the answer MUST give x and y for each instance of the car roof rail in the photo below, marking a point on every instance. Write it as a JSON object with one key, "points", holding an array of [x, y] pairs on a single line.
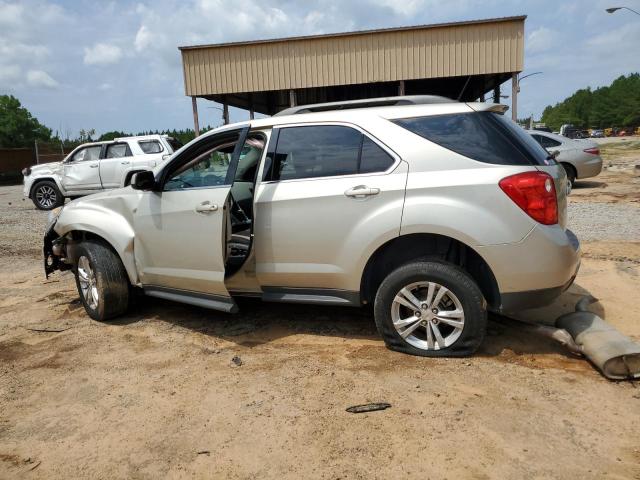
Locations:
{"points": [[365, 103]]}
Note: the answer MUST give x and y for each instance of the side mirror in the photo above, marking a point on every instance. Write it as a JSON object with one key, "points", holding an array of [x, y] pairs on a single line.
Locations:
{"points": [[143, 180], [555, 154]]}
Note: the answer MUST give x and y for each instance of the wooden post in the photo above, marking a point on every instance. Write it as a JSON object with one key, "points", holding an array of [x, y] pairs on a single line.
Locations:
{"points": [[496, 94], [196, 124], [251, 114], [401, 88], [225, 113], [292, 98], [482, 97], [514, 97], [35, 142]]}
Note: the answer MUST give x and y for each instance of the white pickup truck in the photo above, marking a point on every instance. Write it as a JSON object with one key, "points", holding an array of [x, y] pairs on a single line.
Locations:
{"points": [[93, 167]]}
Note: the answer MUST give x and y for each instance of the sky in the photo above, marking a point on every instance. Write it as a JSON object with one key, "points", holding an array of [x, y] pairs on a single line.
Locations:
{"points": [[115, 65]]}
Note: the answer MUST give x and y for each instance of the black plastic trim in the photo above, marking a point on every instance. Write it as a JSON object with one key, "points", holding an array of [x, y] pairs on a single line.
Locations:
{"points": [[313, 296], [198, 299]]}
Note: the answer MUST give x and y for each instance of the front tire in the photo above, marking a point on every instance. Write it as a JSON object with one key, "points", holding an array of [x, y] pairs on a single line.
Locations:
{"points": [[46, 195], [101, 280], [431, 309]]}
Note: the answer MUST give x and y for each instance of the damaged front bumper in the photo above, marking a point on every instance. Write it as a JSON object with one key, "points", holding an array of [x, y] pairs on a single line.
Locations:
{"points": [[53, 249]]}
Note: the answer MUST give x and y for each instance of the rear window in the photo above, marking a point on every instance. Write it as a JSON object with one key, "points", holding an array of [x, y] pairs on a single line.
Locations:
{"points": [[483, 136], [150, 146]]}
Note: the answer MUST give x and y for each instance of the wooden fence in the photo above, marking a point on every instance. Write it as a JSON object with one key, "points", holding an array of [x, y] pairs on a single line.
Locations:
{"points": [[12, 161]]}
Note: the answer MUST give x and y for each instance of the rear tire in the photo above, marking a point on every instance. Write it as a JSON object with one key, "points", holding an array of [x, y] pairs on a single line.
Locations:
{"points": [[451, 323], [571, 176], [101, 280], [46, 195]]}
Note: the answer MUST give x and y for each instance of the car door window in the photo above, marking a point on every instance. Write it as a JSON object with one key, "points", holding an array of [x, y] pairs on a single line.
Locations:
{"points": [[86, 154], [316, 151], [204, 169], [118, 150], [150, 146]]}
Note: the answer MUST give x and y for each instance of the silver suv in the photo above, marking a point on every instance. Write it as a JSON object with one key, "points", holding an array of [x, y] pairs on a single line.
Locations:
{"points": [[431, 211], [96, 166]]}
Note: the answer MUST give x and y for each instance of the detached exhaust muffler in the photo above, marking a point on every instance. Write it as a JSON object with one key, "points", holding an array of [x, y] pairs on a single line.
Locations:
{"points": [[615, 354], [585, 333]]}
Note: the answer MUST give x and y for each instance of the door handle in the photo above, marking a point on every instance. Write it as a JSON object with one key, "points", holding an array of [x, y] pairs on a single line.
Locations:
{"points": [[95, 165], [126, 162], [206, 207], [362, 191]]}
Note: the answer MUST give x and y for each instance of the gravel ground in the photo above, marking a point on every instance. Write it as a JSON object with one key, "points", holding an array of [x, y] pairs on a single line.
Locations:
{"points": [[593, 221]]}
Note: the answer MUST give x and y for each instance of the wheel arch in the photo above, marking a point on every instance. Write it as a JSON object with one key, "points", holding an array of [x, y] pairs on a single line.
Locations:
{"points": [[566, 164], [113, 230], [37, 181], [410, 247]]}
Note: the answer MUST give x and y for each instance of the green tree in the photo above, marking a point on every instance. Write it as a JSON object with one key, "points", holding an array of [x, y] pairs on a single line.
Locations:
{"points": [[18, 128], [111, 135], [617, 105]]}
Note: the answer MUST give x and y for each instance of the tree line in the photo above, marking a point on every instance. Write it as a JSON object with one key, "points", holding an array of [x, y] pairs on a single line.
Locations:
{"points": [[617, 105], [20, 129]]}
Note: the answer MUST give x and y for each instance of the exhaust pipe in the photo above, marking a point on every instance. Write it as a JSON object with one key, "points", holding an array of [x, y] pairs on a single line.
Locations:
{"points": [[614, 354], [584, 333]]}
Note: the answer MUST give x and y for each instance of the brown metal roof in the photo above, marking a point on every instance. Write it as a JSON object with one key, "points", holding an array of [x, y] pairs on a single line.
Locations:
{"points": [[357, 32], [239, 73]]}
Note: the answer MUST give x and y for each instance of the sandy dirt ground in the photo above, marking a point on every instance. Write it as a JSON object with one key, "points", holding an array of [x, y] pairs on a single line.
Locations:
{"points": [[157, 394]]}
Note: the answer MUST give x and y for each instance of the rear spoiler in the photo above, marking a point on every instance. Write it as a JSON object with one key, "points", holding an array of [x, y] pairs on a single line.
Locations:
{"points": [[488, 107]]}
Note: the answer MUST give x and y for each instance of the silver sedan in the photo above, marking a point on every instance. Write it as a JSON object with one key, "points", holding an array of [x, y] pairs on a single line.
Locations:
{"points": [[580, 158]]}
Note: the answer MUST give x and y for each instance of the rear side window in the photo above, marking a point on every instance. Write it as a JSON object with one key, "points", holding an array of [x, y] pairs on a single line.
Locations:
{"points": [[118, 150], [546, 142], [483, 136], [150, 146], [373, 158], [325, 151]]}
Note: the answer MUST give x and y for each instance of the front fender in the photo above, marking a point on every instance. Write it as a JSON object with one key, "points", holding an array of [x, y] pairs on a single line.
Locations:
{"points": [[107, 217]]}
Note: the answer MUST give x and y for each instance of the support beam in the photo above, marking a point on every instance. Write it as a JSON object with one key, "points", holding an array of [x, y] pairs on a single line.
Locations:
{"points": [[496, 94], [251, 112], [514, 97], [401, 89], [225, 113], [292, 98], [196, 124]]}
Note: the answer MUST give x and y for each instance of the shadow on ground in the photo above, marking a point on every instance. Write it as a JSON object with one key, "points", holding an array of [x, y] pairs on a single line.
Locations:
{"points": [[260, 323]]}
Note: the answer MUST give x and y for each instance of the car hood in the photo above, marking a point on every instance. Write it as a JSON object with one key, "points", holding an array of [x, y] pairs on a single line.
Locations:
{"points": [[46, 168]]}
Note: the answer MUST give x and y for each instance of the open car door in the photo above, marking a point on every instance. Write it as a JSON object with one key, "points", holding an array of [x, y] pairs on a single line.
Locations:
{"points": [[182, 227]]}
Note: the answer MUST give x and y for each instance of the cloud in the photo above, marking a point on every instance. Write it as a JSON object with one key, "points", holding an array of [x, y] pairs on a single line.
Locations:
{"points": [[40, 78], [102, 54], [541, 40]]}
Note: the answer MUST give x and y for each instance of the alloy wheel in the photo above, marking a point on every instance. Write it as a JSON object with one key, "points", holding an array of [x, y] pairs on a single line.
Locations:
{"points": [[46, 196], [88, 284], [427, 315]]}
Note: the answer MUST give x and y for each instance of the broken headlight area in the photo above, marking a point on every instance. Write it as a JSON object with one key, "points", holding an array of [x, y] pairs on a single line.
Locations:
{"points": [[54, 248]]}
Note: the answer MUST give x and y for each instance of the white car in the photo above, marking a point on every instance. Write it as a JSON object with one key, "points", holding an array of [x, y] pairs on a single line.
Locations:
{"points": [[93, 167], [580, 158]]}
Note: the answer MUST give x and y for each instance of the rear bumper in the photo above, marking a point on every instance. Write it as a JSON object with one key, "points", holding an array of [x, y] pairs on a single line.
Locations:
{"points": [[537, 270], [590, 167]]}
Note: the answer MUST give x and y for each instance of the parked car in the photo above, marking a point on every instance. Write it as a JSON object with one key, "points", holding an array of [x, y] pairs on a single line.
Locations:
{"points": [[432, 212], [580, 158], [597, 133], [93, 167]]}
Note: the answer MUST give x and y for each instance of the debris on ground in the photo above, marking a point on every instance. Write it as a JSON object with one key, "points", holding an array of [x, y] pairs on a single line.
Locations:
{"points": [[368, 407], [236, 360]]}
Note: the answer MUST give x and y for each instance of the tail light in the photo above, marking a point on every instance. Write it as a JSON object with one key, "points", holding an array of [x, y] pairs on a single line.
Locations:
{"points": [[592, 151], [535, 193]]}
